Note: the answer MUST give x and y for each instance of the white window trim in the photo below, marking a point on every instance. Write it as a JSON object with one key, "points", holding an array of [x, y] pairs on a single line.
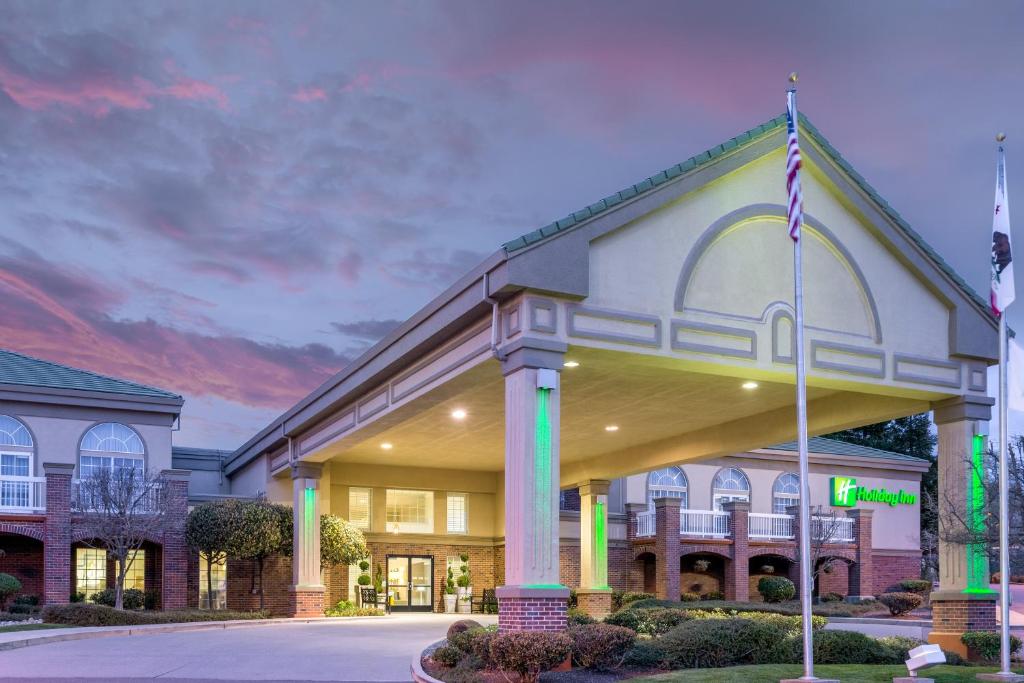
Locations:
{"points": [[465, 513], [426, 527], [369, 506]]}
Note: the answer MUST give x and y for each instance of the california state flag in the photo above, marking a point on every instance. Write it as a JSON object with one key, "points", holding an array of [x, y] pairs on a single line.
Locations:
{"points": [[1002, 259]]}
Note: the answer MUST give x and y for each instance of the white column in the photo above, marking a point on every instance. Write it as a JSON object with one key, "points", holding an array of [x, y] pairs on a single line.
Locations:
{"points": [[306, 526], [594, 534]]}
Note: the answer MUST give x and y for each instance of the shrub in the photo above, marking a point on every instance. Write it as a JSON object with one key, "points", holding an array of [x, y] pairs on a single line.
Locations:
{"points": [[31, 600], [462, 625], [84, 614], [600, 646], [713, 595], [132, 598], [528, 653], [18, 608], [645, 654], [629, 597], [919, 586], [649, 622], [151, 600], [577, 617], [9, 585], [446, 655], [77, 597], [473, 641], [899, 647], [986, 644], [344, 608], [714, 643], [689, 597], [832, 597], [849, 647], [574, 599], [776, 588], [900, 603], [784, 622]]}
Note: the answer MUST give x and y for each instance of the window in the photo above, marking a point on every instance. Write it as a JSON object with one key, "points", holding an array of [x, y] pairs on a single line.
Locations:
{"points": [[785, 492], [135, 577], [219, 576], [90, 571], [16, 448], [730, 484], [458, 518], [14, 433], [667, 483], [410, 512], [111, 446], [359, 505]]}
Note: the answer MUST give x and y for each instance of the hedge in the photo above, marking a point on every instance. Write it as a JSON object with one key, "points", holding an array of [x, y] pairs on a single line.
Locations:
{"points": [[987, 644], [900, 603], [528, 653], [83, 614], [131, 598], [719, 642], [600, 646], [776, 588]]}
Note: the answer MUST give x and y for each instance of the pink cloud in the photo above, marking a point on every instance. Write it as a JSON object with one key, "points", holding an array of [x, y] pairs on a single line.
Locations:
{"points": [[309, 94]]}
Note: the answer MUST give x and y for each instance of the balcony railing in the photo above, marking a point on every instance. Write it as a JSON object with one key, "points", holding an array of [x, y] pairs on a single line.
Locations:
{"points": [[761, 527], [695, 523], [82, 499], [22, 494], [836, 529], [769, 527]]}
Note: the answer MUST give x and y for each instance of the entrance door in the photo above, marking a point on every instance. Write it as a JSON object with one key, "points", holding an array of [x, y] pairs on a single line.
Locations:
{"points": [[411, 583]]}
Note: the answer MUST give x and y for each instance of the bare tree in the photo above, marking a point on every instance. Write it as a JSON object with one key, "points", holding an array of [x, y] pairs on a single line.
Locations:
{"points": [[121, 508], [826, 530]]}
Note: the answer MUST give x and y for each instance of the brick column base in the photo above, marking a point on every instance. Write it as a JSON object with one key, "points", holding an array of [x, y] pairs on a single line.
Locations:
{"points": [[532, 609], [597, 602], [957, 613], [305, 602]]}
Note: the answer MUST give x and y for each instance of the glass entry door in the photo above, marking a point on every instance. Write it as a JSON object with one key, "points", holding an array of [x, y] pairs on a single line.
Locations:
{"points": [[411, 582]]}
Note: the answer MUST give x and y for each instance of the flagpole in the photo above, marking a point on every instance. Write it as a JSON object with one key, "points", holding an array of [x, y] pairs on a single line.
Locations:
{"points": [[1004, 501], [806, 572]]}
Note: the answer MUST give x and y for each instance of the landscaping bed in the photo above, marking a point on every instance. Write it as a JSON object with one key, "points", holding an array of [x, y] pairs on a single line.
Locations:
{"points": [[33, 626], [83, 614], [790, 607], [847, 673]]}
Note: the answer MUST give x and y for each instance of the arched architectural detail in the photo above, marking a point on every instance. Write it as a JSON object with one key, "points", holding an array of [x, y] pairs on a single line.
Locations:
{"points": [[14, 432], [812, 226], [29, 530], [722, 551], [669, 482], [730, 483], [785, 492], [110, 445]]}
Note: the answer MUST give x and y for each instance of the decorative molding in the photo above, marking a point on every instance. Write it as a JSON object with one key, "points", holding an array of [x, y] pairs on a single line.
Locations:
{"points": [[574, 311], [513, 320], [336, 427], [899, 373], [536, 306], [873, 355], [397, 394], [777, 356], [747, 336], [977, 377], [372, 404]]}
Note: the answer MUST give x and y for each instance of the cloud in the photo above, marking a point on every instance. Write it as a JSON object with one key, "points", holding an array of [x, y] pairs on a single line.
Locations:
{"points": [[434, 267], [368, 330]]}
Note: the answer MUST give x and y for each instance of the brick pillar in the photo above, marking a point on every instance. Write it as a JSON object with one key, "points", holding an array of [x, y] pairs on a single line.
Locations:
{"points": [[737, 571], [594, 595], [795, 573], [632, 510], [861, 573], [964, 601], [666, 548], [174, 573], [307, 589], [57, 534]]}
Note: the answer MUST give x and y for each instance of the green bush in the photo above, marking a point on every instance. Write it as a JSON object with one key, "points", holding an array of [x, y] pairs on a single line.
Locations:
{"points": [[832, 597], [649, 622], [132, 598], [18, 608], [900, 603], [9, 585], [919, 586], [645, 654], [449, 656], [77, 597], [850, 647], [713, 595], [600, 646], [462, 625], [344, 608], [776, 588], [987, 644], [899, 647], [703, 643], [628, 597], [30, 600], [689, 597], [528, 653], [784, 622], [577, 617], [84, 614]]}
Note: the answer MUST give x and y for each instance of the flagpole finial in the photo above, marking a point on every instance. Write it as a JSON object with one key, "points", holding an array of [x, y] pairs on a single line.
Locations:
{"points": [[793, 77], [1000, 137]]}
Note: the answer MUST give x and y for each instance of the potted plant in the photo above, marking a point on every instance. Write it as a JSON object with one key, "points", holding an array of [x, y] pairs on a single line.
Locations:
{"points": [[702, 565], [767, 569], [378, 581], [363, 580], [465, 592], [450, 596]]}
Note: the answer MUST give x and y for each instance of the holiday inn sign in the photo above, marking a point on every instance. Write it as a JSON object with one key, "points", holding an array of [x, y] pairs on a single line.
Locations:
{"points": [[846, 493]]}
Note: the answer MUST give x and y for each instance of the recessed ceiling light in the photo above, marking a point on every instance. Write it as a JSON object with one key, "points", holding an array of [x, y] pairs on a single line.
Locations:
{"points": [[571, 364], [386, 446], [459, 414], [611, 428], [749, 385]]}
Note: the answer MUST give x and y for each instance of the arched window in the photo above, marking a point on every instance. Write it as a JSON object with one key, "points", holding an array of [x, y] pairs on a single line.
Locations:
{"points": [[785, 492], [110, 446], [16, 451], [730, 484], [667, 483]]}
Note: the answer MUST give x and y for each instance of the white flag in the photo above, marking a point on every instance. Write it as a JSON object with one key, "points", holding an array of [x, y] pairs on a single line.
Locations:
{"points": [[1002, 260], [1015, 377]]}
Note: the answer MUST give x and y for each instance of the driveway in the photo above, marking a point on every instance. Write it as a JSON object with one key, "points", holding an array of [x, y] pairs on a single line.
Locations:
{"points": [[371, 649]]}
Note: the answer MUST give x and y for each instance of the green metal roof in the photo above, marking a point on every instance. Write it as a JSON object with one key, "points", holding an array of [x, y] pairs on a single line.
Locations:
{"points": [[819, 444], [190, 452], [707, 156], [17, 368]]}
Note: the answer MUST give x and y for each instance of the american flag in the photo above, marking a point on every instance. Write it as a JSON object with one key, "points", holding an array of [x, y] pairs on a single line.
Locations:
{"points": [[793, 164]]}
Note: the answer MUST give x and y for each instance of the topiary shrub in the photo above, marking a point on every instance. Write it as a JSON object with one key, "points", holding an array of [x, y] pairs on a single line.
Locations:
{"points": [[600, 646], [900, 603], [528, 653], [776, 588], [919, 586], [577, 617], [132, 598], [689, 597], [9, 585], [447, 655], [704, 643], [986, 644], [462, 625]]}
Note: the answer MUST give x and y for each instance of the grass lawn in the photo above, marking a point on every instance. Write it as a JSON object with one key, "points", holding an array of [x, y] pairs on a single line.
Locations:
{"points": [[30, 627], [847, 673]]}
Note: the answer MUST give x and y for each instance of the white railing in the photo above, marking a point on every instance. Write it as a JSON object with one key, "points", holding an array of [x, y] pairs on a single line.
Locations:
{"points": [[704, 523], [833, 529], [22, 494], [151, 501], [646, 524], [770, 527]]}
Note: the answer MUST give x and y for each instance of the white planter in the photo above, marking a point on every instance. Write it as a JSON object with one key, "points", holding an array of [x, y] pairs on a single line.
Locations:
{"points": [[465, 596], [450, 601]]}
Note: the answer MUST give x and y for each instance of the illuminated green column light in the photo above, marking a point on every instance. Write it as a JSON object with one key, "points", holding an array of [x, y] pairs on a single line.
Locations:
{"points": [[600, 545], [542, 480], [977, 562], [308, 513]]}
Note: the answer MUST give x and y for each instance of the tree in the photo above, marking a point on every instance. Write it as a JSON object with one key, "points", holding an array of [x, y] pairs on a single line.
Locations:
{"points": [[341, 543], [257, 534], [121, 509], [210, 531], [826, 525], [911, 435]]}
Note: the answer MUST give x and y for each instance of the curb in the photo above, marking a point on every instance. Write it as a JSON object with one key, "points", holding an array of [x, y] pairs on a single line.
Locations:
{"points": [[416, 669], [881, 621], [146, 629]]}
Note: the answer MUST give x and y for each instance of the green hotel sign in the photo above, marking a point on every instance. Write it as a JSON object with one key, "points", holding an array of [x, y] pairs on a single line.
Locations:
{"points": [[846, 494]]}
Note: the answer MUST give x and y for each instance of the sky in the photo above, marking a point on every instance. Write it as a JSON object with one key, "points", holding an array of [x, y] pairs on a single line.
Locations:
{"points": [[233, 200]]}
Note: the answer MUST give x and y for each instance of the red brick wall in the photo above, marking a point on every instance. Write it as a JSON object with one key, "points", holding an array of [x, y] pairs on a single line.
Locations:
{"points": [[57, 551], [532, 614], [838, 581], [569, 565], [174, 588], [620, 564], [277, 577], [960, 616], [890, 569], [23, 559]]}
